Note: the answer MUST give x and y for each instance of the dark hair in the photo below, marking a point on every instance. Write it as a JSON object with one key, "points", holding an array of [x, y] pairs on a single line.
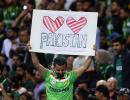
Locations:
{"points": [[27, 95], [23, 66], [32, 2], [51, 1], [60, 61], [92, 2], [7, 68], [83, 82], [103, 89], [30, 70], [118, 2], [20, 56], [4, 56], [24, 28], [82, 92], [126, 8], [120, 40]]}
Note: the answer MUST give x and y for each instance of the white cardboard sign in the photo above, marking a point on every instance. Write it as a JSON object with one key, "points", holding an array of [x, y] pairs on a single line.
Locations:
{"points": [[63, 32]]}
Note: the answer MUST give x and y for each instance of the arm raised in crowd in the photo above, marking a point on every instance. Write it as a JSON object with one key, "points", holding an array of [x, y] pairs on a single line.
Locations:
{"points": [[83, 68]]}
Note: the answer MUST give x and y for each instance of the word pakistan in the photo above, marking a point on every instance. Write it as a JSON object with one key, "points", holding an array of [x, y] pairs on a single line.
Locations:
{"points": [[63, 40]]}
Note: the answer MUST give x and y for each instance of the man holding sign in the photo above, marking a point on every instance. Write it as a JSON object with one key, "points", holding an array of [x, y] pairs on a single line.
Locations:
{"points": [[59, 82], [62, 32]]}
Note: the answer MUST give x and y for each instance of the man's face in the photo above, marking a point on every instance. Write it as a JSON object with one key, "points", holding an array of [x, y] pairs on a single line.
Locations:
{"points": [[16, 60], [114, 7], [79, 6], [2, 60], [5, 71], [98, 95], [51, 6], [19, 71], [24, 37], [117, 47], [60, 70], [38, 77], [111, 85], [123, 97]]}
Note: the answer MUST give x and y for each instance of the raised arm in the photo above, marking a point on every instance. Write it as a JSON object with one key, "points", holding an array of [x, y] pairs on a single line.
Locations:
{"points": [[83, 68], [36, 62]]}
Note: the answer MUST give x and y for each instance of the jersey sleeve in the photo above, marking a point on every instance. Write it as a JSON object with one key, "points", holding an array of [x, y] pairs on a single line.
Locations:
{"points": [[73, 76], [46, 73]]}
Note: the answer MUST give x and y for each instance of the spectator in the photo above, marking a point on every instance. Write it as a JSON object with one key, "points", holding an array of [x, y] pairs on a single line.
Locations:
{"points": [[82, 84], [124, 94], [18, 88], [25, 96], [2, 34], [29, 81], [88, 5], [42, 95], [103, 64], [79, 5], [22, 40], [9, 45], [112, 86], [5, 81], [60, 5], [17, 60], [113, 21], [25, 17], [43, 4], [81, 93], [101, 82], [3, 59], [126, 21], [121, 63], [102, 92], [51, 5], [69, 59], [10, 12], [40, 85]]}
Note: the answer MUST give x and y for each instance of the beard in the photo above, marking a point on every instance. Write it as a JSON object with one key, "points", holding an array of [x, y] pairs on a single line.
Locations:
{"points": [[60, 76]]}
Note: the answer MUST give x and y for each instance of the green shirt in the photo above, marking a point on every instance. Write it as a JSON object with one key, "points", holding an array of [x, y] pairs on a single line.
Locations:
{"points": [[118, 74], [58, 89], [105, 71]]}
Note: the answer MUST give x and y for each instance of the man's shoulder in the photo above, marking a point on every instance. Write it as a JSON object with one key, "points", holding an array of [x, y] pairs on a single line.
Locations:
{"points": [[127, 53]]}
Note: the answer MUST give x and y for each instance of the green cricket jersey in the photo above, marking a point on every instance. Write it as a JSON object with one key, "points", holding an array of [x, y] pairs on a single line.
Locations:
{"points": [[59, 89]]}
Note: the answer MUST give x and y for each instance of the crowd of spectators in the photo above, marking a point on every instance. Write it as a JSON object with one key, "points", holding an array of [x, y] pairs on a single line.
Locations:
{"points": [[106, 79]]}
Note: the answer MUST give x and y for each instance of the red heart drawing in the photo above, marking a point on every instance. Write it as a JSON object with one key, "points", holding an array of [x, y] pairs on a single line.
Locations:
{"points": [[53, 25], [74, 25]]}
